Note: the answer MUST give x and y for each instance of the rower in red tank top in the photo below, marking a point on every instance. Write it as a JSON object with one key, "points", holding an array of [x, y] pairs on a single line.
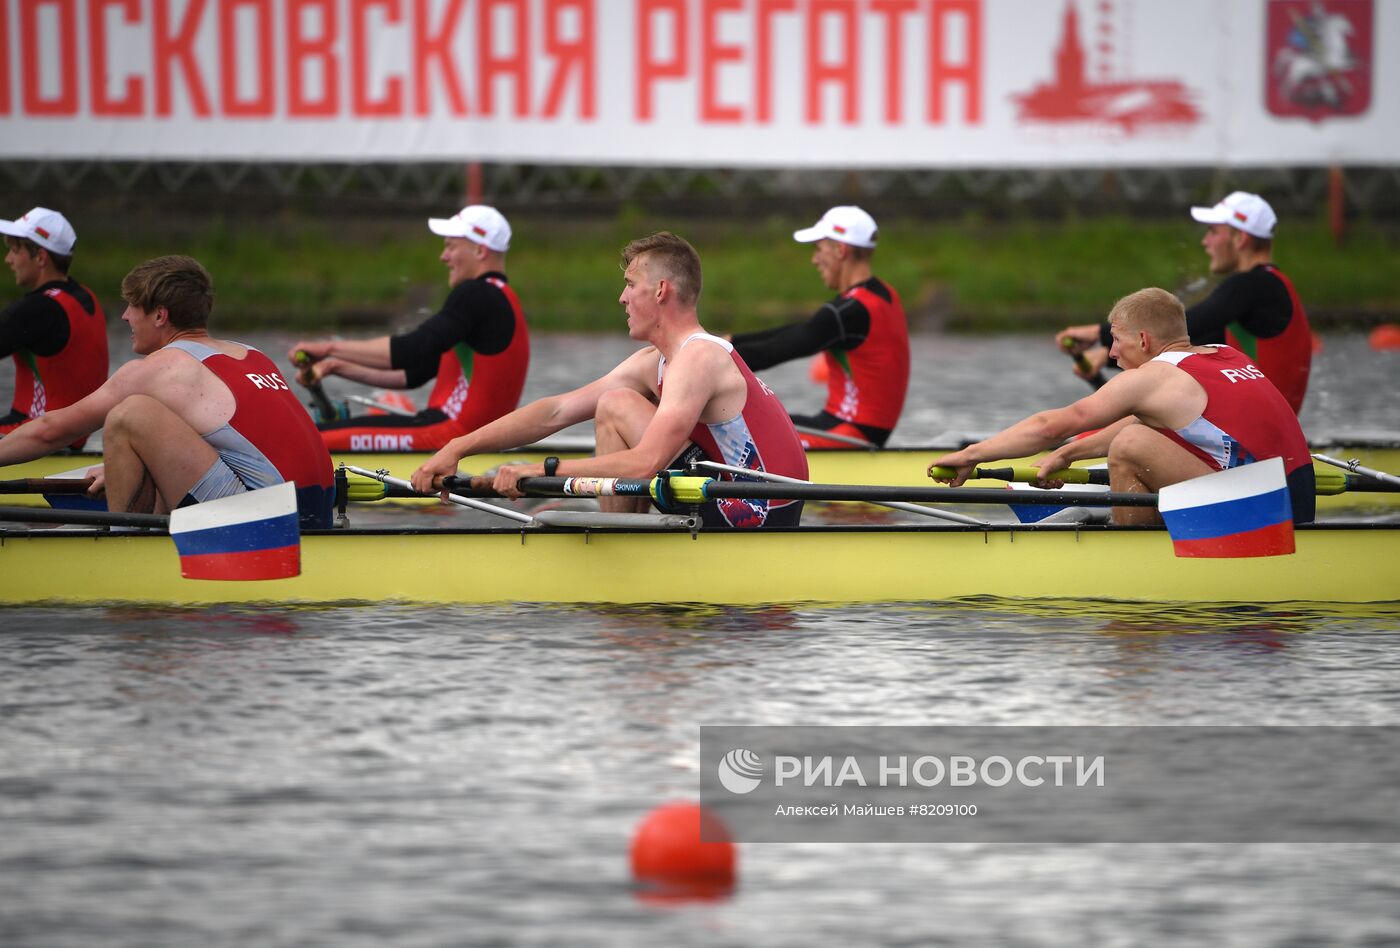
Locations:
{"points": [[477, 346], [56, 333], [862, 335], [197, 419], [710, 406]]}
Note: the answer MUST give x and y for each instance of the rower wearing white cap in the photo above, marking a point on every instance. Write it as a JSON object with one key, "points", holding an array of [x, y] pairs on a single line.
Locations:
{"points": [[477, 346], [1255, 309], [862, 334], [56, 333]]}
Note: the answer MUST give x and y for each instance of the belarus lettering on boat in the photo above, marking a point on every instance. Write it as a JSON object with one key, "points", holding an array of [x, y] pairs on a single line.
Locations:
{"points": [[269, 380], [381, 442], [1248, 374]]}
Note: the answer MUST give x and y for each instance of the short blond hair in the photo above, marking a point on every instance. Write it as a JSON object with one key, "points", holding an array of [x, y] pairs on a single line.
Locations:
{"points": [[1151, 310]]}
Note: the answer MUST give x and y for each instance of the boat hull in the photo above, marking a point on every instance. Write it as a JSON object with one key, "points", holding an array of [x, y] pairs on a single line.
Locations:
{"points": [[1345, 563]]}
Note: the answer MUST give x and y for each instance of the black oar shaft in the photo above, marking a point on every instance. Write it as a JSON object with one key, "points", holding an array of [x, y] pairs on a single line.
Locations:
{"points": [[83, 518], [555, 486], [942, 495]]}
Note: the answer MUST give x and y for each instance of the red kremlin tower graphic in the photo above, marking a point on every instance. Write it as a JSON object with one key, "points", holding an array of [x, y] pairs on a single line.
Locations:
{"points": [[1129, 104]]}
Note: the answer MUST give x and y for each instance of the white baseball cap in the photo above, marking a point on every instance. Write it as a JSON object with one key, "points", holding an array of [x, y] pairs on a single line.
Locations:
{"points": [[49, 229], [478, 223], [1242, 211], [846, 223]]}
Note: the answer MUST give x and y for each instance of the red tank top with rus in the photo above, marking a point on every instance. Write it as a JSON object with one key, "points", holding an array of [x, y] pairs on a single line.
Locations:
{"points": [[1286, 358], [46, 383], [760, 438], [867, 385], [269, 416], [473, 389], [1246, 419]]}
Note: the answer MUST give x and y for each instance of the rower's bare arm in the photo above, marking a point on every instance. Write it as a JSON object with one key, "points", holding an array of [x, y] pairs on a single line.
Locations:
{"points": [[1047, 429], [370, 353], [1080, 449], [55, 430], [380, 378]]}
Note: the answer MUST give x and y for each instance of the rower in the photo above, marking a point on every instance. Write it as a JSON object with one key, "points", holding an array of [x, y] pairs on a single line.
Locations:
{"points": [[1254, 309], [687, 396], [1180, 412], [862, 335], [56, 332], [197, 419], [477, 346]]}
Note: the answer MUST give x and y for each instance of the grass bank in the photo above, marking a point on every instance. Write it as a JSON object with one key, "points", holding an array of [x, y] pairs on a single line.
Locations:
{"points": [[968, 275]]}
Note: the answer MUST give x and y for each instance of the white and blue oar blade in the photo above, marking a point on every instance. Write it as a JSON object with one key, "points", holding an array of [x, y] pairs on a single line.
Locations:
{"points": [[1035, 513], [1245, 511], [254, 535]]}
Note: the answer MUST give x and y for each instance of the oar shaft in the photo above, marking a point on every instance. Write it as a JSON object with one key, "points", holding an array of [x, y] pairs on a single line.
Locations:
{"points": [[1356, 468], [372, 403], [838, 438], [83, 518], [458, 499], [697, 490], [947, 495], [46, 485], [907, 508]]}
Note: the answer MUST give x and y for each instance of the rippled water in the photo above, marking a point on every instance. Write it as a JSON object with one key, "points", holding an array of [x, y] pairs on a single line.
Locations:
{"points": [[408, 776]]}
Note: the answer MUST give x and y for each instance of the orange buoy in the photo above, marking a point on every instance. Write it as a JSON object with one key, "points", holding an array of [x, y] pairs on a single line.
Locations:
{"points": [[817, 370], [1385, 336], [670, 860], [1316, 343]]}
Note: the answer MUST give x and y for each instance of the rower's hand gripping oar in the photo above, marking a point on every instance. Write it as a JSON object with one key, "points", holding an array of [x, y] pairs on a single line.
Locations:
{"points": [[386, 478], [1088, 373], [326, 410]]}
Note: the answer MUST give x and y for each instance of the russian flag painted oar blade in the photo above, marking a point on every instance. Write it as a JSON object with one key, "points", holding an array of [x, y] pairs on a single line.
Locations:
{"points": [[1244, 511], [246, 536]]}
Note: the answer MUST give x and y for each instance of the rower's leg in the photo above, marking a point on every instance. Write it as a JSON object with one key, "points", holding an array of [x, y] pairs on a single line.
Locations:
{"points": [[1142, 461], [151, 455], [619, 423]]}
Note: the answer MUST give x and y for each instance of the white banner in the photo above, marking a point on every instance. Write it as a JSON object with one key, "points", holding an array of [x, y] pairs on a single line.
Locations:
{"points": [[832, 83]]}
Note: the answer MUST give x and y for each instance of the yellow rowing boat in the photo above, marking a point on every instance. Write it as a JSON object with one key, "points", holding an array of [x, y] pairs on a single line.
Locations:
{"points": [[1336, 562]]}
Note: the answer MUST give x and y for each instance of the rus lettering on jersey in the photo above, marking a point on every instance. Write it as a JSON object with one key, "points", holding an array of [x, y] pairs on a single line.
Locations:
{"points": [[271, 380], [1247, 374]]}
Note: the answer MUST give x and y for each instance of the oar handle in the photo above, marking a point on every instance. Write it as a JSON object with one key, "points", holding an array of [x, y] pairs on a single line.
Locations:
{"points": [[324, 406], [46, 485], [479, 485], [1024, 475], [1094, 378]]}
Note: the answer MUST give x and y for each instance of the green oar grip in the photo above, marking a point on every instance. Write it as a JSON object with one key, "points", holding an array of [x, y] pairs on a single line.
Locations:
{"points": [[1069, 475]]}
